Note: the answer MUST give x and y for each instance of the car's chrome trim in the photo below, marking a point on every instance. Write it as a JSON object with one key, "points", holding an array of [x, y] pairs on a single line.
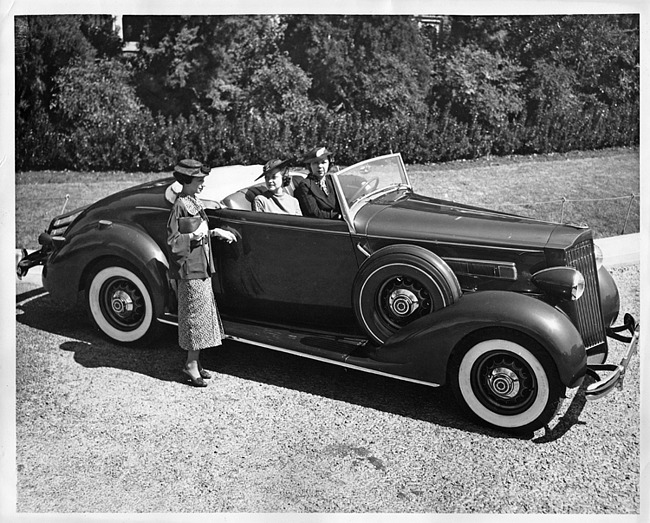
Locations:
{"points": [[283, 226], [363, 250], [459, 244], [152, 208], [509, 272], [602, 387], [345, 210], [326, 360]]}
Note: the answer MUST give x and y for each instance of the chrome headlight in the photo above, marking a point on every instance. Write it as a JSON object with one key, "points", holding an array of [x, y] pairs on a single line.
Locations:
{"points": [[563, 282]]}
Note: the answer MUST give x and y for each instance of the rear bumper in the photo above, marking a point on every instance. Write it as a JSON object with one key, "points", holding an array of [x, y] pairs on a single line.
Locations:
{"points": [[615, 373], [31, 260]]}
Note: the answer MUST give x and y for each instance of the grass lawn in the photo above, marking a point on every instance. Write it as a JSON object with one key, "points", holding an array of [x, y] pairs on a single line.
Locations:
{"points": [[531, 185]]}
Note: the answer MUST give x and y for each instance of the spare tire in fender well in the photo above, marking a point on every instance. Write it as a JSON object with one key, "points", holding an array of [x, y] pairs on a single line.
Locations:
{"points": [[399, 284]]}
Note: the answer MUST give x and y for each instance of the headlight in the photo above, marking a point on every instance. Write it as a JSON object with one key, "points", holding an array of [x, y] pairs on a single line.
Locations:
{"points": [[563, 282], [598, 252]]}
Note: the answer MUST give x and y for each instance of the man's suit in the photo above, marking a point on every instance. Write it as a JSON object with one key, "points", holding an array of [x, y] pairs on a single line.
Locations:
{"points": [[313, 200]]}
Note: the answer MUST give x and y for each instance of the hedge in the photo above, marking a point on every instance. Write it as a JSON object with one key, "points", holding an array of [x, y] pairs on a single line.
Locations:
{"points": [[149, 143]]}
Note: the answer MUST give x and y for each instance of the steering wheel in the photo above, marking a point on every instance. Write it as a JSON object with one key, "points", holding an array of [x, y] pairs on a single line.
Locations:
{"points": [[365, 188]]}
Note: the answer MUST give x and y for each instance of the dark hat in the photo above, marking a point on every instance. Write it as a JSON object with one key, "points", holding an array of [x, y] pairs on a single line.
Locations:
{"points": [[192, 168], [316, 155], [273, 166]]}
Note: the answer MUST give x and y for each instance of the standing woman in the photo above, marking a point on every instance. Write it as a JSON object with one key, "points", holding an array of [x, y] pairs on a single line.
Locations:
{"points": [[192, 265]]}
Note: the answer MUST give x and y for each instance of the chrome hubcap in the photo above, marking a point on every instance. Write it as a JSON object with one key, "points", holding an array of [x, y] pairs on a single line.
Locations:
{"points": [[504, 382], [403, 302], [122, 303]]}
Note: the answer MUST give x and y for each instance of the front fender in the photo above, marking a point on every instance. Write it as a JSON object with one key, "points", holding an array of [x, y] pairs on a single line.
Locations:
{"points": [[423, 348], [67, 267]]}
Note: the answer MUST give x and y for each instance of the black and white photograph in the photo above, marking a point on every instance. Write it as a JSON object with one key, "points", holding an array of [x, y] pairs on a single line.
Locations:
{"points": [[343, 262]]}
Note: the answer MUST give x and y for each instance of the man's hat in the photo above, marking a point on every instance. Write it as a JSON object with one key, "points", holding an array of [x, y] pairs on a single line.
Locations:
{"points": [[316, 155], [192, 168], [273, 166]]}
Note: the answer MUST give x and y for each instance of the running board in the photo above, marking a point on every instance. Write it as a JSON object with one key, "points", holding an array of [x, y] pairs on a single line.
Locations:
{"points": [[348, 352]]}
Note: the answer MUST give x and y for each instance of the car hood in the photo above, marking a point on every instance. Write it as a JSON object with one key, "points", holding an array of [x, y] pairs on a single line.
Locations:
{"points": [[417, 217]]}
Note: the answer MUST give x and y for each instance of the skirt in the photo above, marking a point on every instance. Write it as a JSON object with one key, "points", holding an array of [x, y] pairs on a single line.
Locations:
{"points": [[199, 324]]}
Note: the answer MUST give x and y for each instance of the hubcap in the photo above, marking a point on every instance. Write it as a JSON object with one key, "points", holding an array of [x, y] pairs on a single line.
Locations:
{"points": [[503, 382], [402, 299], [403, 302], [122, 304]]}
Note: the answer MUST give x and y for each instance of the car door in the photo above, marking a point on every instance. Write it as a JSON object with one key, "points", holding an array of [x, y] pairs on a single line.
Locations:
{"points": [[289, 270]]}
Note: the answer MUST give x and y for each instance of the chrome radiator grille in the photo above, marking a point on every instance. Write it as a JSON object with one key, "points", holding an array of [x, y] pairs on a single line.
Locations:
{"points": [[587, 309]]}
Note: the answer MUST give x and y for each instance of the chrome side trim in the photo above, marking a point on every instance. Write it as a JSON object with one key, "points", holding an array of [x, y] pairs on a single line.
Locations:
{"points": [[282, 226], [458, 244], [152, 208], [325, 360], [510, 267]]}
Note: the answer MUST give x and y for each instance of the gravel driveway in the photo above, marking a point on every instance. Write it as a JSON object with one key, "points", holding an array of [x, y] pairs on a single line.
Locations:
{"points": [[104, 428]]}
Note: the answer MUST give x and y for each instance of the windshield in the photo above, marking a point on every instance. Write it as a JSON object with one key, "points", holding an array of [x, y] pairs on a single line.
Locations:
{"points": [[373, 177]]}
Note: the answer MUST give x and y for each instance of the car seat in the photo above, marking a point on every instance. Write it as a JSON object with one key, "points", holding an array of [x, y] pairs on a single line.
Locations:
{"points": [[243, 199]]}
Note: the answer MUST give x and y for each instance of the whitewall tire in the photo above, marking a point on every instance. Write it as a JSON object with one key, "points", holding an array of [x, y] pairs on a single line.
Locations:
{"points": [[511, 385], [120, 304]]}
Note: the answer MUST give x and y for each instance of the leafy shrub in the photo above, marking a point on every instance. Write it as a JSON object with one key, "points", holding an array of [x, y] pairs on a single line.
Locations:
{"points": [[134, 140]]}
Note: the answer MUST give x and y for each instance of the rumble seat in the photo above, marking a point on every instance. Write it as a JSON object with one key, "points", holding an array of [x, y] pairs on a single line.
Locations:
{"points": [[243, 199]]}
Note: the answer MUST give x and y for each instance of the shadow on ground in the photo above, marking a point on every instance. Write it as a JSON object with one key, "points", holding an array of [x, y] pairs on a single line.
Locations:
{"points": [[163, 360]]}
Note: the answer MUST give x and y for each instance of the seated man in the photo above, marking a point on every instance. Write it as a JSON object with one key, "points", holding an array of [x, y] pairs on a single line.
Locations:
{"points": [[276, 199], [316, 192]]}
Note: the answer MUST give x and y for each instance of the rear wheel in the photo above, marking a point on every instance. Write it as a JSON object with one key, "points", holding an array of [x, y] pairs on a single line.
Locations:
{"points": [[120, 303], [511, 383]]}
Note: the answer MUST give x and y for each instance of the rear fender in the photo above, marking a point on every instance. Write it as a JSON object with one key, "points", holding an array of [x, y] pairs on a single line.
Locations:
{"points": [[68, 268], [425, 345]]}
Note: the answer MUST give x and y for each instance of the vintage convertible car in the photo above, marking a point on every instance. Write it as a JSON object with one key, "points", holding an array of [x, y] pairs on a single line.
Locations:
{"points": [[510, 311]]}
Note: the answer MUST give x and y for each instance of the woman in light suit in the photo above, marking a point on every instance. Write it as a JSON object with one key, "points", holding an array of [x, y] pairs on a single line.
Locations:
{"points": [[192, 265]]}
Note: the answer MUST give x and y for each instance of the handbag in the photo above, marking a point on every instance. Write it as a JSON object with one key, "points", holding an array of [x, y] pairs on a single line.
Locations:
{"points": [[189, 224]]}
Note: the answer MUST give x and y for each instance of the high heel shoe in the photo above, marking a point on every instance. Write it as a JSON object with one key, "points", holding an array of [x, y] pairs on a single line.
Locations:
{"points": [[205, 374], [197, 382]]}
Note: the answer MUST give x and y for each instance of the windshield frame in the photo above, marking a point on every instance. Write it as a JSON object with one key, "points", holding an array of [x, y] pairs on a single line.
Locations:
{"points": [[350, 211]]}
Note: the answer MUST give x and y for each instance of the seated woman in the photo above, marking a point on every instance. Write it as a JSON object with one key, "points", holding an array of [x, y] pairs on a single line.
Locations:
{"points": [[316, 192], [276, 199]]}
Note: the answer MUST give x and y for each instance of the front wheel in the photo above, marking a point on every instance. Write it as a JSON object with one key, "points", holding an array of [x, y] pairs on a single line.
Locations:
{"points": [[121, 304], [511, 384]]}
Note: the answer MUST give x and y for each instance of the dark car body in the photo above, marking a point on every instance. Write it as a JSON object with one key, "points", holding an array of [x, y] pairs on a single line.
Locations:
{"points": [[508, 310]]}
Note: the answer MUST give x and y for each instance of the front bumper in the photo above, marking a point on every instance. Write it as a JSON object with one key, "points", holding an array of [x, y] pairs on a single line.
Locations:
{"points": [[614, 379]]}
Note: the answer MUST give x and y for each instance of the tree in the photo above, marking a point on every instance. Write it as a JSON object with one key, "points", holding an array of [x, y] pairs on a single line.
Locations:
{"points": [[45, 44], [96, 108], [477, 86], [375, 65], [217, 63], [600, 52]]}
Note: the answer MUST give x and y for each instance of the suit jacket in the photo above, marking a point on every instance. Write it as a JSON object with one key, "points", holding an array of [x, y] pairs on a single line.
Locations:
{"points": [[313, 200], [189, 259]]}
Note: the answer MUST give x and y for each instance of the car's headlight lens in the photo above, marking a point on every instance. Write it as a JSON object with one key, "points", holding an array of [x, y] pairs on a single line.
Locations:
{"points": [[563, 282], [598, 252]]}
